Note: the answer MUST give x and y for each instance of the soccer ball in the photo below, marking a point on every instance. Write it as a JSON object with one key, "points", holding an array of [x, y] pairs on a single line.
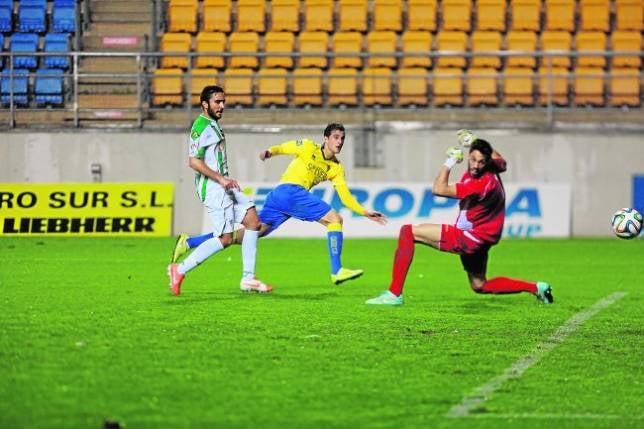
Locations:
{"points": [[627, 223]]}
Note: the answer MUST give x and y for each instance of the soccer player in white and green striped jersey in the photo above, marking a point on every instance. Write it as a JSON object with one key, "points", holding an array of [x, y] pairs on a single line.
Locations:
{"points": [[220, 194]]}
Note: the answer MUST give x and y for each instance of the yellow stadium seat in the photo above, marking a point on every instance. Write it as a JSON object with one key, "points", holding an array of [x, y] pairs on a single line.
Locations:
{"points": [[594, 15], [251, 15], [342, 86], [318, 15], [167, 87], [556, 41], [271, 87], [421, 15], [521, 41], [457, 15], [280, 42], [243, 43], [626, 41], [590, 41], [238, 83], [629, 15], [349, 42], [285, 15], [588, 86], [216, 15], [518, 84], [553, 86], [453, 42], [380, 43], [481, 86], [416, 46], [175, 42], [376, 86], [490, 15], [525, 14], [307, 87], [211, 43], [352, 15], [412, 86], [313, 42], [560, 15], [486, 41], [182, 15], [198, 80], [624, 88], [387, 15], [447, 86]]}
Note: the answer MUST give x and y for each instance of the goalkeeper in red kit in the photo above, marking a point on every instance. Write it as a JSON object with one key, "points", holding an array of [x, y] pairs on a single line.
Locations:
{"points": [[478, 226]]}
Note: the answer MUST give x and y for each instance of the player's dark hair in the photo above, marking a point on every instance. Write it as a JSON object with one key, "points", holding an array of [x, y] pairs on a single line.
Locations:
{"points": [[208, 91], [485, 148], [332, 127]]}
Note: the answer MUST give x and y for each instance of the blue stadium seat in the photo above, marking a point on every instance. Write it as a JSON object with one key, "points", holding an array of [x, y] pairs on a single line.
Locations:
{"points": [[56, 42], [20, 87], [24, 42], [7, 3], [48, 86], [1, 49], [31, 16], [6, 19], [64, 16]]}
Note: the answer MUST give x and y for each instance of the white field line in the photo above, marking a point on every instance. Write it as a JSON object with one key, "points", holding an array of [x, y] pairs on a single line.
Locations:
{"points": [[481, 393]]}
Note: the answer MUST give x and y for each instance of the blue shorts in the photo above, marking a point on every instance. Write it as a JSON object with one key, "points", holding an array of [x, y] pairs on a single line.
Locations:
{"points": [[288, 200]]}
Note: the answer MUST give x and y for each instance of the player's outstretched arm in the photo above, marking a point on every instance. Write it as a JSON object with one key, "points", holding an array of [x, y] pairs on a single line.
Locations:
{"points": [[265, 154], [200, 166], [376, 217], [441, 186]]}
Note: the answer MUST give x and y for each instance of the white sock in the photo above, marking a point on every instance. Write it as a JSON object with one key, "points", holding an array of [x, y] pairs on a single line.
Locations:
{"points": [[249, 253], [200, 254]]}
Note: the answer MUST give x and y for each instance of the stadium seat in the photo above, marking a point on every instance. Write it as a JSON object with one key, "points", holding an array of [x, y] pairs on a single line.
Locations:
{"points": [[490, 15], [594, 15], [307, 86], [481, 86], [347, 43], [251, 15], [352, 15], [313, 42], [271, 87], [387, 15], [453, 42], [56, 42], [239, 86], [20, 85], [6, 19], [416, 46], [342, 86], [624, 87], [48, 87], [447, 86], [175, 42], [560, 15], [626, 41], [525, 15], [243, 43], [27, 43], [556, 41], [486, 41], [318, 15], [285, 15], [421, 15], [457, 15], [553, 86], [216, 16], [210, 42], [167, 87], [380, 43], [200, 78], [1, 50], [521, 41], [182, 16], [411, 86], [278, 42], [518, 84], [629, 15], [590, 41], [31, 16], [63, 16], [376, 86], [588, 86]]}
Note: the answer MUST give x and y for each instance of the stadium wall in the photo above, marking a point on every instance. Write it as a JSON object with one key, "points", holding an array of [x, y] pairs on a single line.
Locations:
{"points": [[599, 167]]}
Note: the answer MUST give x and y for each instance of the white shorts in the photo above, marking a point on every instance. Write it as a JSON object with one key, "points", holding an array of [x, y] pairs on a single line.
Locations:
{"points": [[224, 218]]}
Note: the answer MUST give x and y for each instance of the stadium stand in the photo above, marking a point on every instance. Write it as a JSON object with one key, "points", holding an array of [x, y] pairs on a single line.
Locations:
{"points": [[239, 86], [457, 15], [588, 86], [521, 41], [525, 15], [387, 15], [167, 87], [594, 15], [31, 16], [627, 41], [453, 42], [412, 86], [342, 86], [421, 15], [63, 16], [211, 42], [518, 86], [490, 15], [415, 47], [313, 42], [182, 15], [558, 42], [1, 50], [624, 87], [352, 15], [279, 42], [560, 15], [376, 86], [379, 44], [14, 88], [447, 86], [199, 78], [24, 43], [6, 18], [553, 86], [56, 42], [590, 41], [48, 87], [307, 86], [245, 44], [175, 42], [629, 15], [271, 87], [285, 15], [251, 16], [482, 41], [216, 16], [318, 15], [346, 47], [481, 87]]}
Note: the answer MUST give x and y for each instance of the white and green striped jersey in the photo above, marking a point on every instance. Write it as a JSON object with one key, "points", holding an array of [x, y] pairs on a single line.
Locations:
{"points": [[207, 142]]}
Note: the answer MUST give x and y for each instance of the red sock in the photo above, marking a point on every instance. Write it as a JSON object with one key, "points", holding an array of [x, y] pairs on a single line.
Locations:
{"points": [[507, 285], [402, 259]]}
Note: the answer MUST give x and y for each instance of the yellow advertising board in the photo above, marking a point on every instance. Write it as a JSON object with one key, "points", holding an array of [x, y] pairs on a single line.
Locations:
{"points": [[91, 209]]}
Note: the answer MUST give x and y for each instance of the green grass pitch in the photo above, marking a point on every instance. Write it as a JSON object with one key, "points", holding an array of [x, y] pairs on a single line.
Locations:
{"points": [[90, 333]]}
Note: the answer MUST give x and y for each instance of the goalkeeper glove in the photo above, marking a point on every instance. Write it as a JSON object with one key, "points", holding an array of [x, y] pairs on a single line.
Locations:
{"points": [[465, 137], [454, 156]]}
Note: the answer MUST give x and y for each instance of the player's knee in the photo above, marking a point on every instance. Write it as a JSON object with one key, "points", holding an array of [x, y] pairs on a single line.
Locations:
{"points": [[334, 217], [252, 224], [226, 240]]}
